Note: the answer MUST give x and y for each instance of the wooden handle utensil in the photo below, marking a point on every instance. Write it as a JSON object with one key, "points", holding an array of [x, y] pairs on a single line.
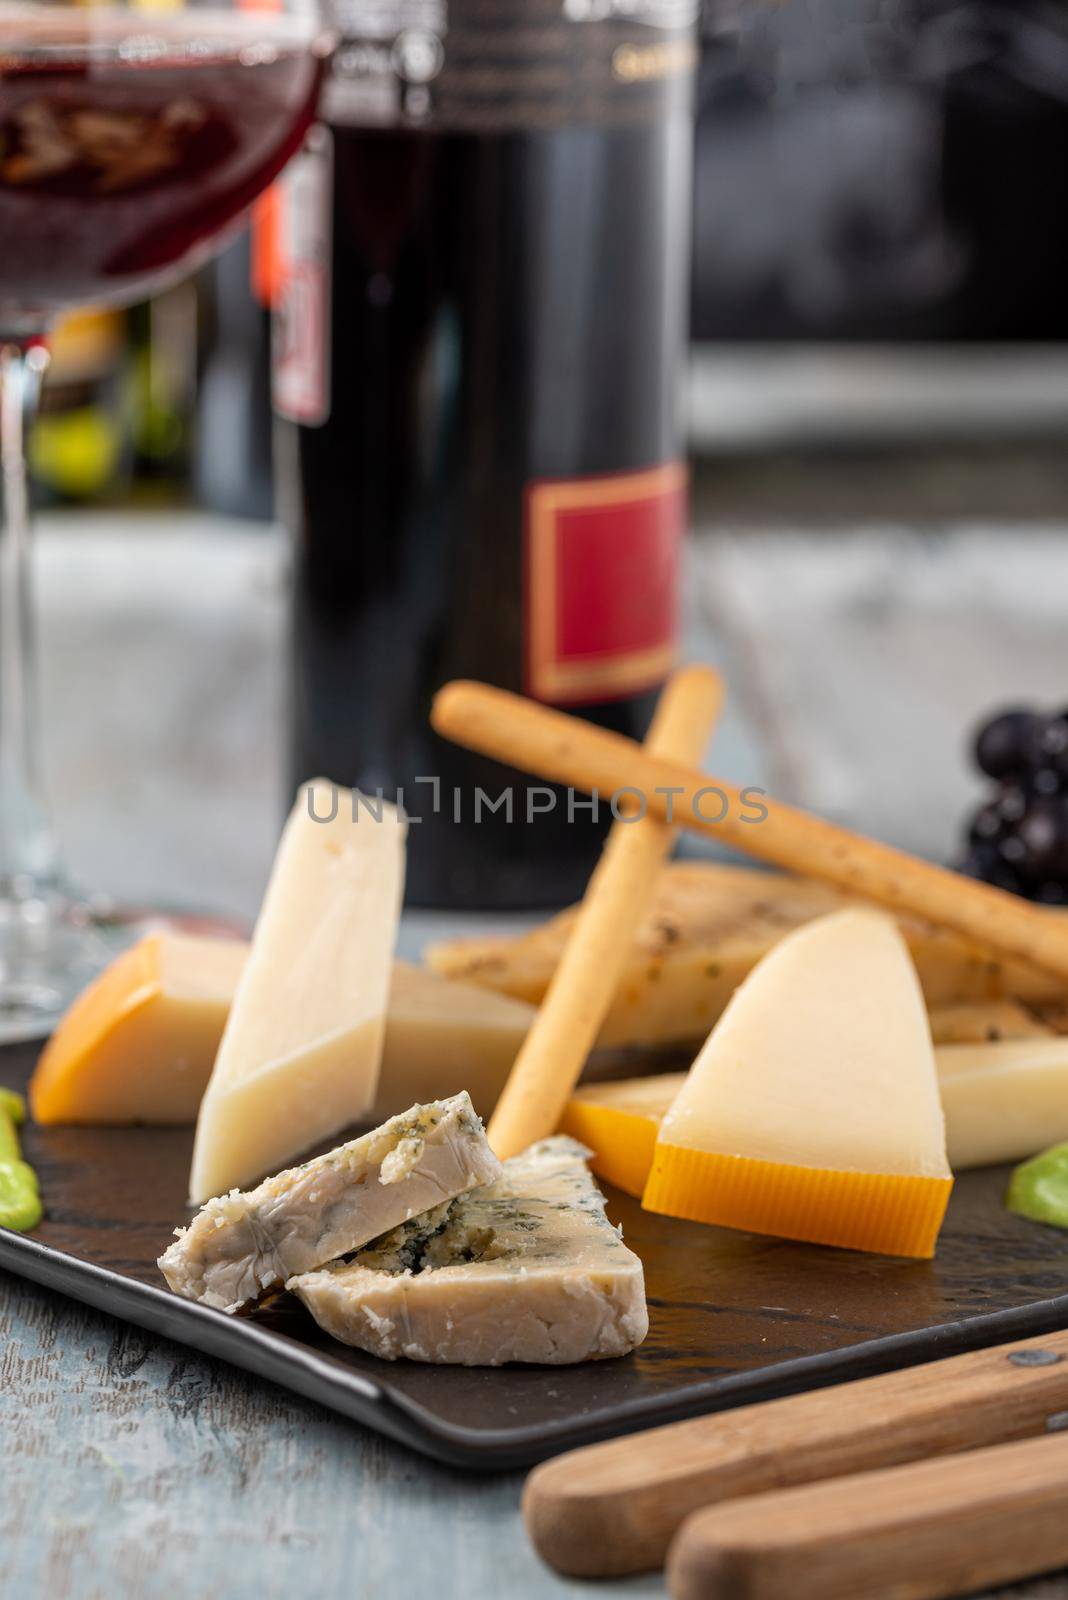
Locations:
{"points": [[917, 1532], [569, 751], [569, 1018], [613, 1508]]}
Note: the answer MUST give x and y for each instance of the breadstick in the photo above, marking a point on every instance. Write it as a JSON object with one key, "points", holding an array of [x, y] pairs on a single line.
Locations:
{"points": [[551, 1057], [570, 751]]}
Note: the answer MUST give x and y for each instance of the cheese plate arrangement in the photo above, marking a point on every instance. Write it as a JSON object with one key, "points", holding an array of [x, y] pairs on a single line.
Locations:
{"points": [[385, 1187]]}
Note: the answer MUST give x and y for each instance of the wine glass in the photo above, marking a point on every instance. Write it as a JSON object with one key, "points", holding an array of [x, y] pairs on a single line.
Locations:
{"points": [[132, 140]]}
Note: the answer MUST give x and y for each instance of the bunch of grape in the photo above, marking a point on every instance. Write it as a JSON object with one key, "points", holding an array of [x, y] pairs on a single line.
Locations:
{"points": [[1018, 839]]}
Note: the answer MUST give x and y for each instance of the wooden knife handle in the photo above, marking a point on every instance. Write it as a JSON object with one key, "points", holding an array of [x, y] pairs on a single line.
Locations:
{"points": [[916, 1532], [613, 1508]]}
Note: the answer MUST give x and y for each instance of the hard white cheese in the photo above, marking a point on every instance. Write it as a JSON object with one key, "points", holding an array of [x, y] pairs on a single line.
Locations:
{"points": [[300, 1053], [1003, 1101], [241, 1244], [528, 1269]]}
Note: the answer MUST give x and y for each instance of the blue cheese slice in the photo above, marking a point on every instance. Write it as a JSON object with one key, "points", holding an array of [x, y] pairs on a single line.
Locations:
{"points": [[241, 1244], [527, 1269]]}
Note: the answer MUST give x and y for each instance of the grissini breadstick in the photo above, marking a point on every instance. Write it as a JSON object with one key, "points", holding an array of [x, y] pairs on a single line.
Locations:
{"points": [[551, 1057], [569, 751]]}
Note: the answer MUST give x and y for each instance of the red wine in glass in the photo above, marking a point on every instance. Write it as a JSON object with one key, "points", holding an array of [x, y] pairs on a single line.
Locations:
{"points": [[131, 141]]}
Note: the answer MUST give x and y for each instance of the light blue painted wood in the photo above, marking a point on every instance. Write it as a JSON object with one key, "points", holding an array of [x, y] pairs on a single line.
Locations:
{"points": [[138, 1471]]}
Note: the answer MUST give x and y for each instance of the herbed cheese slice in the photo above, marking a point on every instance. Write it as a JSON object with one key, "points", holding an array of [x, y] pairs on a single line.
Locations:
{"points": [[529, 1269], [300, 1052], [812, 1111], [707, 928], [241, 1244], [138, 1045]]}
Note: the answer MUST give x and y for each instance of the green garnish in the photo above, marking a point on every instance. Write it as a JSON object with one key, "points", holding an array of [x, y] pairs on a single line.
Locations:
{"points": [[1039, 1188], [20, 1200]]}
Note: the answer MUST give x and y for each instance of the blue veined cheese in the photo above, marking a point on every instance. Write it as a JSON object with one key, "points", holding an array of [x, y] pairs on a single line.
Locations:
{"points": [[241, 1244], [527, 1269]]}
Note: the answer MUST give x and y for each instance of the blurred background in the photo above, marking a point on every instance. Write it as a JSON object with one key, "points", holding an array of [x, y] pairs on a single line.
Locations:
{"points": [[876, 413]]}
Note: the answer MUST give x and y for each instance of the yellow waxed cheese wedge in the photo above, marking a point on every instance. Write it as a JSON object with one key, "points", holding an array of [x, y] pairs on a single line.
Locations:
{"points": [[812, 1111], [707, 928], [138, 1044], [619, 1123], [300, 1053], [1002, 1101]]}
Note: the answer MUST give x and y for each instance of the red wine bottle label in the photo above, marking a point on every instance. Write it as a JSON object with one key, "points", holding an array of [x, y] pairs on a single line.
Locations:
{"points": [[601, 583], [300, 283]]}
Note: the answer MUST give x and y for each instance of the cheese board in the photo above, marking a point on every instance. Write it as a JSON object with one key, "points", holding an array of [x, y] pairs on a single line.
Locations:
{"points": [[734, 1317]]}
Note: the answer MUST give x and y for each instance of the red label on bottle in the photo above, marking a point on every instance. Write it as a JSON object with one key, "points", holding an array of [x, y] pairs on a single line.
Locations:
{"points": [[602, 579]]}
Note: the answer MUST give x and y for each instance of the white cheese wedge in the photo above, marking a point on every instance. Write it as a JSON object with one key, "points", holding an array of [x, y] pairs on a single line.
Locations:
{"points": [[138, 1045], [241, 1244], [528, 1269], [442, 1037], [812, 1111], [1003, 1101], [300, 1053]]}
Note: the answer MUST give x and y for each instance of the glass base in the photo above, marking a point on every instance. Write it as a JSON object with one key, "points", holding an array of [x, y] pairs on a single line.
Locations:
{"points": [[52, 946]]}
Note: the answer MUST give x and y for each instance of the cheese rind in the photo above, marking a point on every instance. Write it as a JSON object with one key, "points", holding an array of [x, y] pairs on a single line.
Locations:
{"points": [[708, 927], [241, 1244], [528, 1269], [812, 1111], [300, 1053]]}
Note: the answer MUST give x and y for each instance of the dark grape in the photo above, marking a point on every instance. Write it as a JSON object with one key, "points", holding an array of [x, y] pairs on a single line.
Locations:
{"points": [[1011, 803], [988, 824], [1013, 850], [980, 860], [1003, 877], [1043, 838], [1052, 893], [1055, 745], [1048, 781], [1010, 744]]}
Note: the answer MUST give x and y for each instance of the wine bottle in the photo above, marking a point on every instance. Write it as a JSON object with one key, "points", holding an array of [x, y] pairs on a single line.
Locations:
{"points": [[480, 323]]}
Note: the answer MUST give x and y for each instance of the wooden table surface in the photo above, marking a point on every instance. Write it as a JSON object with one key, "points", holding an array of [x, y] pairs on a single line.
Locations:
{"points": [[133, 1470]]}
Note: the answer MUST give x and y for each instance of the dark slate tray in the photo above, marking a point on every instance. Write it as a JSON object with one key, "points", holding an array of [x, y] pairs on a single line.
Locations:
{"points": [[734, 1317]]}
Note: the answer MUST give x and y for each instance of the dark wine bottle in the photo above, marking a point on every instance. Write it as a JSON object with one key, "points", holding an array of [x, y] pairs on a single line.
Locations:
{"points": [[484, 270]]}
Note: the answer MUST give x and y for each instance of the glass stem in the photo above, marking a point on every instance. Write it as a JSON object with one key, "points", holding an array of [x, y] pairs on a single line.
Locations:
{"points": [[27, 852]]}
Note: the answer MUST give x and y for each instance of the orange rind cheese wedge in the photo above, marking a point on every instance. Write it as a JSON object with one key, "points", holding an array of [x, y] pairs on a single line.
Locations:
{"points": [[1003, 1100], [138, 1044], [812, 1111], [620, 1122]]}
